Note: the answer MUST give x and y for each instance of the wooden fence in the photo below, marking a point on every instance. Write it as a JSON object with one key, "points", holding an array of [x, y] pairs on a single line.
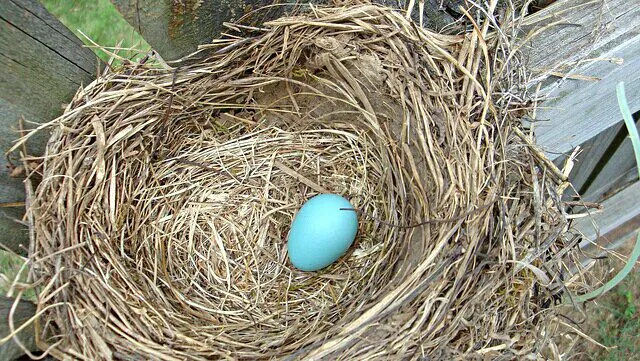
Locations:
{"points": [[578, 50]]}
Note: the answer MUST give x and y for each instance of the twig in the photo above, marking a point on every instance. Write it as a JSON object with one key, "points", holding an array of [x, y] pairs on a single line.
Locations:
{"points": [[425, 222], [163, 130]]}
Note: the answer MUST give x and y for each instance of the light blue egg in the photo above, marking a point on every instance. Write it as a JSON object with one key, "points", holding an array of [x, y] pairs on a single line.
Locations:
{"points": [[321, 232]]}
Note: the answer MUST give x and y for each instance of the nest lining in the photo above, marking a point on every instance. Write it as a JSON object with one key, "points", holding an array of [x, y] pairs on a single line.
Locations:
{"points": [[161, 220], [227, 201]]}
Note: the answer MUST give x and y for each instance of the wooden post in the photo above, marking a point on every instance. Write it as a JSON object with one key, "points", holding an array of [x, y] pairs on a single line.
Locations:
{"points": [[176, 28], [580, 51], [23, 312], [43, 65], [606, 164]]}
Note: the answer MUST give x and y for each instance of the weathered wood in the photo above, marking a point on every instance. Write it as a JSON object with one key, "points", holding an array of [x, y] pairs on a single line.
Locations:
{"points": [[605, 163], [13, 234], [23, 312], [591, 157], [617, 169], [618, 209], [176, 28], [581, 39], [43, 65], [594, 38], [619, 218]]}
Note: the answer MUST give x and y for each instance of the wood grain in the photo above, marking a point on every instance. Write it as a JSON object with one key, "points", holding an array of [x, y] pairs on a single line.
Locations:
{"points": [[605, 163], [596, 38], [43, 65], [589, 159], [618, 169], [611, 226], [23, 311], [176, 28], [618, 209]]}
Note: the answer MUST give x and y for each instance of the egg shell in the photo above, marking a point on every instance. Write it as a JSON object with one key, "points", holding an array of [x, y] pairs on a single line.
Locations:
{"points": [[321, 232]]}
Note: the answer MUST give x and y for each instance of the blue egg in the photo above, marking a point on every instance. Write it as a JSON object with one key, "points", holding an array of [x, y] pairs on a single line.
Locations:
{"points": [[321, 232]]}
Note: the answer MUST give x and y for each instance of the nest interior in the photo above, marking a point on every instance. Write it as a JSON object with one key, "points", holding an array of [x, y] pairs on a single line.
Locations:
{"points": [[161, 219]]}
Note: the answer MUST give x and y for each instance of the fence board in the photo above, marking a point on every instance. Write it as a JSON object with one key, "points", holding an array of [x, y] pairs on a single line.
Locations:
{"points": [[598, 39], [23, 311], [176, 28], [605, 163], [618, 169], [607, 229], [43, 64], [590, 157], [623, 207], [588, 38]]}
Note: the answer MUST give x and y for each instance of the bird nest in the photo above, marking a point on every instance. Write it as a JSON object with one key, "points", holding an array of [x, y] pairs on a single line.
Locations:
{"points": [[160, 224]]}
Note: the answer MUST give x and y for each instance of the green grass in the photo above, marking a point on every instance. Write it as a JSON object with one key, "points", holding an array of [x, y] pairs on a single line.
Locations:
{"points": [[615, 322], [619, 326], [100, 21], [10, 265]]}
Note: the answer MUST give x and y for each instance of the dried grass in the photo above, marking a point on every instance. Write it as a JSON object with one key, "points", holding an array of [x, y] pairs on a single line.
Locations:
{"points": [[166, 194]]}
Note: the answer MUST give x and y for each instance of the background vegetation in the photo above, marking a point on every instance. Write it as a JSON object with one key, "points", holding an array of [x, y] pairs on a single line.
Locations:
{"points": [[99, 20], [614, 319]]}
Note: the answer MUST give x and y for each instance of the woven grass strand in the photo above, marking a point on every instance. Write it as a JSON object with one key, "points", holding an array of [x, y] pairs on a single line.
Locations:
{"points": [[166, 195]]}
